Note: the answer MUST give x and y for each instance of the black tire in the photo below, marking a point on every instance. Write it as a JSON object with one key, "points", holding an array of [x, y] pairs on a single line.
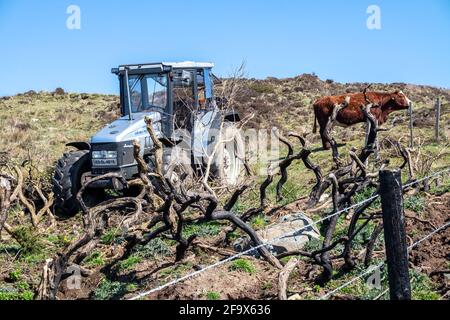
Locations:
{"points": [[67, 181], [228, 164]]}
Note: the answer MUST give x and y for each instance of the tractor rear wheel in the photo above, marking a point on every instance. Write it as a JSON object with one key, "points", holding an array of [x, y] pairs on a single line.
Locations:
{"points": [[67, 181], [229, 158]]}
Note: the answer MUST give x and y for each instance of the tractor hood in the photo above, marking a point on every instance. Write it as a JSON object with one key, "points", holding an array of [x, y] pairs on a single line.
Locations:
{"points": [[124, 129]]}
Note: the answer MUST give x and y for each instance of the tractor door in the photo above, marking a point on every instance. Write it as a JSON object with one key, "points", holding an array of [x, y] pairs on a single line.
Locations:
{"points": [[206, 116], [194, 107]]}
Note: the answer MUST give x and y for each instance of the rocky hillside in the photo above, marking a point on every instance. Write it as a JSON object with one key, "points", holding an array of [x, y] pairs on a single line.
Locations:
{"points": [[287, 102], [41, 123]]}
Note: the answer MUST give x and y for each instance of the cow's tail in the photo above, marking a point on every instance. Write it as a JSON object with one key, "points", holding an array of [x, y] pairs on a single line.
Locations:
{"points": [[315, 122]]}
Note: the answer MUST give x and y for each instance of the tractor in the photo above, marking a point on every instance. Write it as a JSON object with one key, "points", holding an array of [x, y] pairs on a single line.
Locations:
{"points": [[195, 128]]}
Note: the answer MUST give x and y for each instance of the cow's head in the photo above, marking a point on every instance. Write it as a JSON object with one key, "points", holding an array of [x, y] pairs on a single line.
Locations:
{"points": [[398, 101]]}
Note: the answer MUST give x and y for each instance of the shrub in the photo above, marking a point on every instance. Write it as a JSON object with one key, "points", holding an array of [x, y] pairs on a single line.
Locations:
{"points": [[29, 241], [59, 92], [415, 203], [260, 87], [154, 249]]}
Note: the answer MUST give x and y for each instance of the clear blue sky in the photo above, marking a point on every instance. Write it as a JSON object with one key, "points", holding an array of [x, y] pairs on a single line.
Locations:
{"points": [[279, 38]]}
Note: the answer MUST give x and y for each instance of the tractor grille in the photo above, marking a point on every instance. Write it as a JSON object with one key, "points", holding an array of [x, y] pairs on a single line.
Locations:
{"points": [[124, 156]]}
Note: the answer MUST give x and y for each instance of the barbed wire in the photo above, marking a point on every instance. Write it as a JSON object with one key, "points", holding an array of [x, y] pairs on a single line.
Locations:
{"points": [[381, 294], [267, 243], [412, 247], [415, 244], [426, 178], [370, 270]]}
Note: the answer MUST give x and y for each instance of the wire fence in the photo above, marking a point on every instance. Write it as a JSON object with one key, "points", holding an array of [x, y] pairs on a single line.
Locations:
{"points": [[378, 266], [415, 244], [274, 240]]}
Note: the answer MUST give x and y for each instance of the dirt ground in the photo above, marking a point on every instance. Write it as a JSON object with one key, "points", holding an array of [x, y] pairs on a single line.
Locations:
{"points": [[432, 256]]}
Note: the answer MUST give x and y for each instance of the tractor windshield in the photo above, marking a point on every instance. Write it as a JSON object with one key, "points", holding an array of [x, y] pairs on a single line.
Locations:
{"points": [[148, 92]]}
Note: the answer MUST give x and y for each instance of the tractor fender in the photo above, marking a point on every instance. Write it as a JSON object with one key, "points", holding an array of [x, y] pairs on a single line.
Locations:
{"points": [[232, 116], [80, 145]]}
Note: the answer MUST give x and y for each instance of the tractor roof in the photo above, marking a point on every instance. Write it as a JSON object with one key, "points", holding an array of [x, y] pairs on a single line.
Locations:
{"points": [[189, 65], [164, 66]]}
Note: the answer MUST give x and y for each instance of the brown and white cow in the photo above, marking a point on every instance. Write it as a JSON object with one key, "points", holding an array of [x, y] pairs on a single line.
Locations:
{"points": [[353, 113]]}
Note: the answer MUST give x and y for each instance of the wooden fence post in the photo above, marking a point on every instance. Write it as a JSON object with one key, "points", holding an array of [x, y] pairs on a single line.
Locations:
{"points": [[438, 117], [391, 194], [411, 138]]}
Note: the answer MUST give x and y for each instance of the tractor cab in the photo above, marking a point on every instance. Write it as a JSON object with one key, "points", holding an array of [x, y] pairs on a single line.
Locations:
{"points": [[174, 90]]}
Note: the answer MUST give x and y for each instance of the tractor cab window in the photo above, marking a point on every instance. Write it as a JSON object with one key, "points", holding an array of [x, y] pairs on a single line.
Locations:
{"points": [[148, 92], [192, 93]]}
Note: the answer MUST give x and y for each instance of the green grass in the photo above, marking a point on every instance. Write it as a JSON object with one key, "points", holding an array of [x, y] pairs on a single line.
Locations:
{"points": [[157, 248], [16, 295], [358, 288], [15, 275], [208, 229], [109, 236], [59, 240], [21, 290], [259, 222], [108, 290], [415, 203], [422, 287], [443, 188], [95, 259], [176, 271], [313, 245], [243, 265], [212, 295], [365, 194], [43, 124], [129, 263], [131, 287]]}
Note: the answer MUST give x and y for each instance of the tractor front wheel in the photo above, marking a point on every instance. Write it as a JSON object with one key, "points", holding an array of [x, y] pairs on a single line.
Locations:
{"points": [[67, 181]]}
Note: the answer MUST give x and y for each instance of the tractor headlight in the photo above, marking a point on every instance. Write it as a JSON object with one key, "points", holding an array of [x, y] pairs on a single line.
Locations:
{"points": [[104, 154]]}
